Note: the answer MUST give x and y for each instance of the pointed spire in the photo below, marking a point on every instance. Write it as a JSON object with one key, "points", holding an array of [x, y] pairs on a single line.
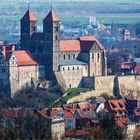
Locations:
{"points": [[51, 17], [28, 16]]}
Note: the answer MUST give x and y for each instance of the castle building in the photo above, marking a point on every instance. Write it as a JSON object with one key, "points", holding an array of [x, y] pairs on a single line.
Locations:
{"points": [[18, 69], [70, 59]]}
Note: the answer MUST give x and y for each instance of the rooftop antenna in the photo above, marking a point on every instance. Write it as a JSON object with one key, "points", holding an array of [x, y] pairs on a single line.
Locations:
{"points": [[28, 2]]}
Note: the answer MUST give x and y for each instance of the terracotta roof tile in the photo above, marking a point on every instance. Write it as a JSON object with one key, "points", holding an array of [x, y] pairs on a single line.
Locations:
{"points": [[28, 16], [68, 113], [137, 112], [51, 17], [69, 45], [24, 58], [91, 39], [87, 106], [84, 43]]}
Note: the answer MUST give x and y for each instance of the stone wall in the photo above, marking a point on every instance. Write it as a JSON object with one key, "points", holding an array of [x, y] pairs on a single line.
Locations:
{"points": [[129, 85], [88, 82], [104, 84], [123, 85], [112, 85]]}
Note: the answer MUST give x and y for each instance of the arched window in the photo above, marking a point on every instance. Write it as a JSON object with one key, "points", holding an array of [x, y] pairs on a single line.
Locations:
{"points": [[68, 56], [98, 57], [73, 56]]}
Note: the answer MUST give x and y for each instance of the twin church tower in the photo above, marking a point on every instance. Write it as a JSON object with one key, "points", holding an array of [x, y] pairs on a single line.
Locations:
{"points": [[44, 46]]}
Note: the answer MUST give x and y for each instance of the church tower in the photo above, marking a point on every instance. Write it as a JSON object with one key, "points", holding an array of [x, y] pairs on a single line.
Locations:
{"points": [[28, 27], [51, 30]]}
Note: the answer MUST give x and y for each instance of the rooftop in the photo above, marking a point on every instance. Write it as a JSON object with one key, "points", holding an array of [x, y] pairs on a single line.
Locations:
{"points": [[24, 58], [68, 62], [51, 17], [28, 16]]}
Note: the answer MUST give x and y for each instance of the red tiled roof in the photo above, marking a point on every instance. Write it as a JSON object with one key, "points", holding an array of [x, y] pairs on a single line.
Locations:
{"points": [[51, 17], [137, 112], [69, 45], [137, 68], [127, 65], [138, 130], [84, 43], [91, 39], [87, 106], [68, 114], [28, 16], [117, 107], [17, 112], [53, 112], [24, 58], [70, 132]]}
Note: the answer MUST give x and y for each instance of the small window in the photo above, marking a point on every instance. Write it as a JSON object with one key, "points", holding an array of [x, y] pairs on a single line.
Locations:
{"points": [[77, 68], [63, 68], [56, 37], [68, 68], [73, 68], [73, 56], [56, 28], [69, 56], [93, 56], [98, 56], [64, 56]]}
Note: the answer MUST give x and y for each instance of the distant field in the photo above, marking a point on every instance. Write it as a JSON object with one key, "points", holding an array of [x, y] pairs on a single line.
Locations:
{"points": [[83, 20]]}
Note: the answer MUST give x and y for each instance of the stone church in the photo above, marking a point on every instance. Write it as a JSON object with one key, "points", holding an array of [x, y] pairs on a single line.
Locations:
{"points": [[70, 61]]}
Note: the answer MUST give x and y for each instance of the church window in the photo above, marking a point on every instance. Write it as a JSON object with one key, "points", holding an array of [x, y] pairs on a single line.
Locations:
{"points": [[56, 29], [98, 57], [56, 37], [73, 56], [93, 56]]}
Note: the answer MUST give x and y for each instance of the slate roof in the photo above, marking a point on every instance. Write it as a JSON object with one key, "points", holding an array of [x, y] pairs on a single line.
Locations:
{"points": [[68, 62]]}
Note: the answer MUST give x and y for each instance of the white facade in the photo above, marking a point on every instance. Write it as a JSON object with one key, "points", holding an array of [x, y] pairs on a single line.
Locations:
{"points": [[73, 74]]}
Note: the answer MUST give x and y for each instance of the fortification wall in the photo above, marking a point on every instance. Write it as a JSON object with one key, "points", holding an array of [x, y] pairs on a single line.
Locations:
{"points": [[104, 84], [129, 85], [124, 85]]}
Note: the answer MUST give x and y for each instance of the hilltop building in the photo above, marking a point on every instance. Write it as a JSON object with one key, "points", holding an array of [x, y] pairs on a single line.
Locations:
{"points": [[67, 60]]}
